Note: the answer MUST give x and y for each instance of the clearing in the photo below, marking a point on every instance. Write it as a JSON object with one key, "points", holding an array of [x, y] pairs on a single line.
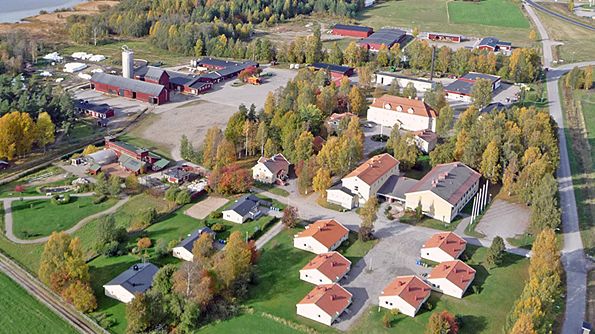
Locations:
{"points": [[21, 313], [203, 208], [468, 12]]}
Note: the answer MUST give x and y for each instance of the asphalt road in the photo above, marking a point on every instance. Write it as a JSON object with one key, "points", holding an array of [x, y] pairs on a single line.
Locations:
{"points": [[562, 17], [573, 256]]}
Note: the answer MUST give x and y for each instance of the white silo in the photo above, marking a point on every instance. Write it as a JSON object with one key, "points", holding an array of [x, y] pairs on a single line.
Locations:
{"points": [[127, 62]]}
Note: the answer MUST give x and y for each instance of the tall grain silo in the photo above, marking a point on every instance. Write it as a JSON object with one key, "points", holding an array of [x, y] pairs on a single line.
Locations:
{"points": [[127, 62]]}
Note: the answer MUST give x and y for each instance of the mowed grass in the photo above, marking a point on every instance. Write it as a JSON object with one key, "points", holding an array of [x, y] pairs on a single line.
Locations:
{"points": [[21, 313], [248, 324], [485, 312], [432, 15], [498, 13], [37, 218]]}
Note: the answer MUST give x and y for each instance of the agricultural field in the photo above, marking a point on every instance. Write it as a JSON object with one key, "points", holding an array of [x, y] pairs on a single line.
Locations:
{"points": [[485, 312], [482, 13], [433, 15], [39, 218], [21, 313]]}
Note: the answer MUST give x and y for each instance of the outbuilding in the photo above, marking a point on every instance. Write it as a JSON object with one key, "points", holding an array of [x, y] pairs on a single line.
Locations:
{"points": [[441, 37], [386, 37], [352, 31]]}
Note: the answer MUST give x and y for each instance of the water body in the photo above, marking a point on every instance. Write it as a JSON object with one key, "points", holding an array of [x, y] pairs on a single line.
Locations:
{"points": [[16, 10]]}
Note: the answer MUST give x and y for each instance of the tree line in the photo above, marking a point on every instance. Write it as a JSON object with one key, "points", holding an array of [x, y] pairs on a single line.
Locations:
{"points": [[19, 133]]}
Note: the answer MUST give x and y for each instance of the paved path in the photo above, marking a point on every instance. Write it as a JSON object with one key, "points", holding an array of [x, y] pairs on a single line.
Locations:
{"points": [[573, 256], [8, 221], [561, 17], [270, 234], [38, 290]]}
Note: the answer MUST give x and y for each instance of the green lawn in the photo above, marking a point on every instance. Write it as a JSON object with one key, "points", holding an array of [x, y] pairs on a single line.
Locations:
{"points": [[432, 15], [273, 189], [480, 313], [409, 218], [35, 218], [249, 323], [21, 313], [467, 12]]}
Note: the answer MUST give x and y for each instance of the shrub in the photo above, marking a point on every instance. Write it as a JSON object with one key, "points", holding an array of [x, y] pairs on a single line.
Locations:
{"points": [[216, 215], [161, 248], [183, 197], [218, 227], [143, 243], [172, 244], [108, 249]]}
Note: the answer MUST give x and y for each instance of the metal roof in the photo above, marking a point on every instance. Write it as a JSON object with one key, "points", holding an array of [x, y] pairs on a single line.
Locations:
{"points": [[449, 181], [128, 84], [352, 27], [332, 67], [137, 278], [474, 76], [387, 37], [460, 86], [86, 105], [396, 186], [244, 204], [395, 75], [188, 243], [154, 73]]}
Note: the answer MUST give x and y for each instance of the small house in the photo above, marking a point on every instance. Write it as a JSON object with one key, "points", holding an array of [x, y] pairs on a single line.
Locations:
{"points": [[184, 249], [442, 247], [452, 278], [136, 279], [406, 294], [322, 236], [325, 303], [245, 208], [325, 268], [271, 170]]}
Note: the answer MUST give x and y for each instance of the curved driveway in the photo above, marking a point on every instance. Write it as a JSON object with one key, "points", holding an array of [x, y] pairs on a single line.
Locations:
{"points": [[8, 221]]}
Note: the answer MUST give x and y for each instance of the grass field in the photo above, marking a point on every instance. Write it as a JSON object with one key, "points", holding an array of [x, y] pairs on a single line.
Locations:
{"points": [[432, 15], [21, 313], [35, 218], [480, 313], [467, 12]]}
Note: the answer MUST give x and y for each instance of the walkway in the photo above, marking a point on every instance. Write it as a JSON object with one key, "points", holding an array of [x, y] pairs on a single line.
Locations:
{"points": [[8, 221], [573, 256]]}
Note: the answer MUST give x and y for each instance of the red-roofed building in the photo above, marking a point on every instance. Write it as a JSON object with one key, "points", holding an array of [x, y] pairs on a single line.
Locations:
{"points": [[442, 247], [410, 114], [321, 236], [452, 278], [406, 294], [325, 268], [324, 303]]}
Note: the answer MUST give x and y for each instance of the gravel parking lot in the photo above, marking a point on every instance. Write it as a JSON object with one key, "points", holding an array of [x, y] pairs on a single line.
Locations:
{"points": [[125, 109]]}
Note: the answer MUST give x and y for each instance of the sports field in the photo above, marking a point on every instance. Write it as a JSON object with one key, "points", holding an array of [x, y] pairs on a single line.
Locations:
{"points": [[21, 313], [498, 13]]}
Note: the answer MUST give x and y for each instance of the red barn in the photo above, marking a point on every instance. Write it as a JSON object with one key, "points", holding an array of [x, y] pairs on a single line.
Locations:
{"points": [[154, 75], [130, 88], [352, 31], [439, 37]]}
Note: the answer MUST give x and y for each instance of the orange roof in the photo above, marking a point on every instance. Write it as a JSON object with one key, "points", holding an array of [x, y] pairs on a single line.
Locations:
{"points": [[326, 231], [457, 272], [449, 242], [404, 105], [332, 265], [410, 288], [331, 298], [338, 117], [374, 168]]}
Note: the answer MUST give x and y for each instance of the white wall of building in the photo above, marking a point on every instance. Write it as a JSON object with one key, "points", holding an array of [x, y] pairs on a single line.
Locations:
{"points": [[396, 302], [313, 312], [315, 277], [262, 174], [182, 253], [312, 245], [118, 292], [446, 287], [421, 86], [435, 254], [233, 217], [407, 121], [336, 196], [459, 97]]}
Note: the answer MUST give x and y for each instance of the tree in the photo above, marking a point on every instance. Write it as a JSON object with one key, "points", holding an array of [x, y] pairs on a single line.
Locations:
{"points": [[490, 167], [409, 91], [357, 101], [588, 77], [368, 215], [62, 262], [45, 130], [189, 320], [211, 144], [445, 121], [90, 149], [163, 280], [101, 186], [571, 6], [132, 185], [203, 249], [523, 325], [143, 243], [235, 262], [290, 217], [81, 296], [114, 185], [495, 252], [403, 148], [442, 323], [481, 93], [183, 197], [382, 56], [138, 314], [226, 153], [335, 56], [322, 181]]}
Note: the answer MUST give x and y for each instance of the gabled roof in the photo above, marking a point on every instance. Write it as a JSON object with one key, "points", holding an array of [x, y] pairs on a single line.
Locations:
{"points": [[130, 163], [449, 242], [328, 232], [373, 169], [457, 272], [188, 243], [331, 298], [489, 41], [338, 117], [137, 278], [449, 181], [246, 203], [332, 67], [426, 135], [333, 265], [154, 73], [396, 186], [275, 164], [387, 37], [101, 108], [128, 84], [404, 105], [353, 28], [409, 288]]}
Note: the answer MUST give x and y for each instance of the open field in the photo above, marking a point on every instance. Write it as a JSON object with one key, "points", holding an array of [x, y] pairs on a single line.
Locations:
{"points": [[480, 313], [37, 218], [432, 15], [578, 43], [482, 13], [21, 313]]}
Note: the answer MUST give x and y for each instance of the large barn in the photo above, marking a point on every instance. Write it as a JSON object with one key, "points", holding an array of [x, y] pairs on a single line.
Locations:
{"points": [[352, 31], [130, 88], [388, 37]]}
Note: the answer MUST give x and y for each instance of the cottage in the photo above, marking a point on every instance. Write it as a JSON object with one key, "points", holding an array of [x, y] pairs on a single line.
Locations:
{"points": [[452, 278], [495, 45], [386, 37], [409, 114], [135, 89], [245, 208], [425, 140], [136, 279], [406, 294], [462, 88], [420, 84], [352, 31], [444, 191], [322, 236], [363, 182], [324, 303], [184, 249], [272, 170], [99, 111], [443, 247], [325, 268], [177, 175]]}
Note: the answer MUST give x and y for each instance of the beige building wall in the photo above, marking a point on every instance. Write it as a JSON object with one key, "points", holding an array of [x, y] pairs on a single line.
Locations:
{"points": [[396, 302], [406, 120], [262, 174], [365, 191], [182, 253], [119, 293], [432, 205]]}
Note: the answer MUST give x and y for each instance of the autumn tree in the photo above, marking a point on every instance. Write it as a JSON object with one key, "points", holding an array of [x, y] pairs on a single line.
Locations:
{"points": [[382, 56], [524, 325], [495, 252], [490, 167], [335, 56], [114, 185], [442, 323], [290, 217], [357, 101], [193, 282], [235, 262], [321, 182], [226, 153], [80, 295], [203, 249], [533, 35], [213, 139], [588, 77], [45, 130], [90, 149], [445, 121], [403, 148], [481, 93], [368, 215], [138, 314]]}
